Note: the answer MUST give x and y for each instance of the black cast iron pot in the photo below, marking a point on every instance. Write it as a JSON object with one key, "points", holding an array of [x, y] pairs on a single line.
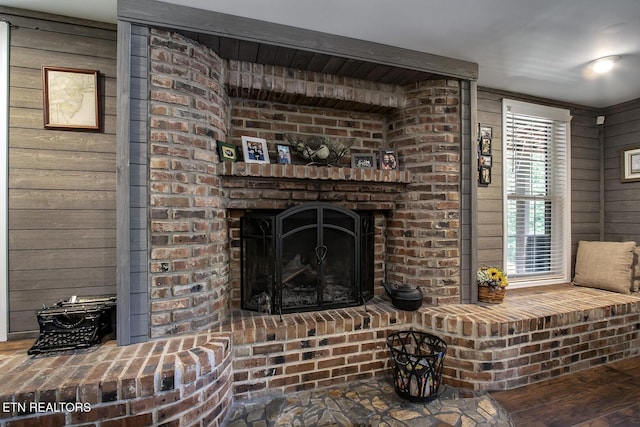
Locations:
{"points": [[405, 297]]}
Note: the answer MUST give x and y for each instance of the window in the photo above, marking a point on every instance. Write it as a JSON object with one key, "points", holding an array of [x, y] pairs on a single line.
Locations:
{"points": [[537, 193]]}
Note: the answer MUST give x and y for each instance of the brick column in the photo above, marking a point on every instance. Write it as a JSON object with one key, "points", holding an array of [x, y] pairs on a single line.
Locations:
{"points": [[189, 240], [423, 233]]}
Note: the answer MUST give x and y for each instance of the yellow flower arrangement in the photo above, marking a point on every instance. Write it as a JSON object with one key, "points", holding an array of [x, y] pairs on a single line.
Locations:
{"points": [[492, 277]]}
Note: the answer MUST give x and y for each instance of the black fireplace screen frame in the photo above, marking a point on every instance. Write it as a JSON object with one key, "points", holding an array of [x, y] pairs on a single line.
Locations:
{"points": [[314, 256]]}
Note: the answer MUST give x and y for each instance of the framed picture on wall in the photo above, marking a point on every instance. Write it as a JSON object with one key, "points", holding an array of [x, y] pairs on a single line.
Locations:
{"points": [[630, 164], [484, 175], [70, 98], [485, 135], [255, 150]]}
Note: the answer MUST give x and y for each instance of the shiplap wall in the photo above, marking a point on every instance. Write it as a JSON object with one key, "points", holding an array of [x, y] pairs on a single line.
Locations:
{"points": [[585, 176], [61, 183], [622, 200]]}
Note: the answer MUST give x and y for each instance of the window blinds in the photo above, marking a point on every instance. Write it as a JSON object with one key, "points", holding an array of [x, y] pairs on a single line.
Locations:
{"points": [[537, 197]]}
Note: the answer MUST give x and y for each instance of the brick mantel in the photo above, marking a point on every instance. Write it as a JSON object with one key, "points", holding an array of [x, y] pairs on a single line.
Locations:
{"points": [[275, 186], [331, 173]]}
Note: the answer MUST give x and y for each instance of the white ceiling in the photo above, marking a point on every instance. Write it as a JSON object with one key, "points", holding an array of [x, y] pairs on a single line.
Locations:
{"points": [[535, 47]]}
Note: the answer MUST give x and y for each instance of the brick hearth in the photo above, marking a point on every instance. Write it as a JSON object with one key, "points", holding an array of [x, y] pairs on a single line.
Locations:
{"points": [[534, 335]]}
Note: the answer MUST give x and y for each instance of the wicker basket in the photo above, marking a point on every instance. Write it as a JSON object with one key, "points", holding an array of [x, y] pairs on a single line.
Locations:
{"points": [[492, 296]]}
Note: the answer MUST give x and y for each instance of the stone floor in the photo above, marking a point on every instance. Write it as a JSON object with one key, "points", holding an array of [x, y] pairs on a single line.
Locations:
{"points": [[369, 403]]}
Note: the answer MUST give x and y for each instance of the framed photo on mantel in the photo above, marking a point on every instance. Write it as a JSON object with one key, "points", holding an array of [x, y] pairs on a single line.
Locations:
{"points": [[255, 150], [363, 161]]}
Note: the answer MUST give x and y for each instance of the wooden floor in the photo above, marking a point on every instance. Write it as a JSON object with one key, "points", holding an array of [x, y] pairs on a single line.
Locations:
{"points": [[603, 396]]}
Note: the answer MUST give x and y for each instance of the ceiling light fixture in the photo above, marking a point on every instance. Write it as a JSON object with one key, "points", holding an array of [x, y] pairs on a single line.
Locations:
{"points": [[604, 65]]}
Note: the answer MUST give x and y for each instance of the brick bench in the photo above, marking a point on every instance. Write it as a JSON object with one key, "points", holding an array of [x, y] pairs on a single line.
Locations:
{"points": [[173, 382], [535, 334]]}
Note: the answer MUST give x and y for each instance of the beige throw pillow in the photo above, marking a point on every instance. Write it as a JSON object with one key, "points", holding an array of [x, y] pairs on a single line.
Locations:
{"points": [[605, 265]]}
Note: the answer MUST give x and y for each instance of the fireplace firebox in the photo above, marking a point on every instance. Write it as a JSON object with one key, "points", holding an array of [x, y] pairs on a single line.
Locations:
{"points": [[310, 257]]}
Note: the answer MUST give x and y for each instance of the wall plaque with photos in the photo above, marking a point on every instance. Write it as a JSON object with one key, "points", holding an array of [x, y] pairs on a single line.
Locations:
{"points": [[485, 160]]}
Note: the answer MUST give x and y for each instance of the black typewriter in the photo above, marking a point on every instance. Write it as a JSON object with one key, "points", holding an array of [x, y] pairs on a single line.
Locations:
{"points": [[76, 323]]}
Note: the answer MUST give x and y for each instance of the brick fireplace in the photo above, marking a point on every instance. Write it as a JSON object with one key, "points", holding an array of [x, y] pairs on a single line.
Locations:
{"points": [[196, 202]]}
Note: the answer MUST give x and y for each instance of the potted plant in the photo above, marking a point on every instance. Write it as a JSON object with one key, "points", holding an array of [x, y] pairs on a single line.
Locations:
{"points": [[492, 285]]}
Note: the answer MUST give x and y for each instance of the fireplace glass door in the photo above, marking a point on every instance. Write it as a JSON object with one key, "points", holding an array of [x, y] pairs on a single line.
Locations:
{"points": [[315, 250]]}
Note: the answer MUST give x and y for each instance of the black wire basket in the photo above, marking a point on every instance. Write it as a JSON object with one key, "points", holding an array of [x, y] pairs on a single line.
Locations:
{"points": [[419, 358]]}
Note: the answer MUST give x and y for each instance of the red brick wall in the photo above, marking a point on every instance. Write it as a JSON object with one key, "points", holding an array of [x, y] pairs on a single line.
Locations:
{"points": [[272, 120], [424, 231], [197, 98]]}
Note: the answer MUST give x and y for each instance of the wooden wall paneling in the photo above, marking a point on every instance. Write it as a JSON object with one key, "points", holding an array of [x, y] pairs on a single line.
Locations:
{"points": [[63, 141], [267, 54], [67, 239], [66, 201], [585, 178], [489, 198], [59, 23], [35, 59], [622, 199], [64, 43], [248, 51], [61, 160]]}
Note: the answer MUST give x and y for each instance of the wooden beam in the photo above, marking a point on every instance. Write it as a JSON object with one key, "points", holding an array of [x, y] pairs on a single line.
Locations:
{"points": [[123, 249], [166, 15]]}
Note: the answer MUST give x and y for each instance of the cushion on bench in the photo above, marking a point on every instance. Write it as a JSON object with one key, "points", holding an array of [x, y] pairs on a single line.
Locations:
{"points": [[606, 265]]}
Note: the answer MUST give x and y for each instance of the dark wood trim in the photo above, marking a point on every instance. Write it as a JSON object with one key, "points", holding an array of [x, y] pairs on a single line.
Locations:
{"points": [[123, 261], [155, 13]]}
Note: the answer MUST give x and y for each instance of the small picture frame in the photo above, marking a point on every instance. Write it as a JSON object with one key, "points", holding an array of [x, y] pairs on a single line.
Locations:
{"points": [[485, 160], [227, 152], [255, 150], [485, 135], [70, 98], [630, 164], [284, 154], [484, 175], [388, 160], [363, 161]]}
